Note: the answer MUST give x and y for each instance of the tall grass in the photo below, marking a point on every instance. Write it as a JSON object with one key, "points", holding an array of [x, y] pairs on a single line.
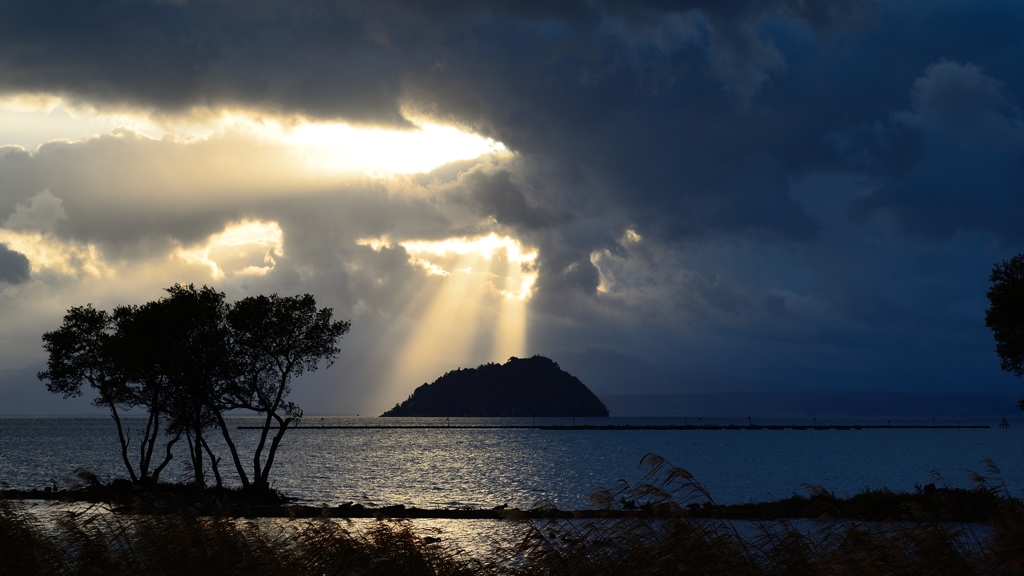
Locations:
{"points": [[185, 543], [672, 543], [93, 541]]}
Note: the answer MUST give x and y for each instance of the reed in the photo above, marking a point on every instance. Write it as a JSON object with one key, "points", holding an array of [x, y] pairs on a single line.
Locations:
{"points": [[95, 541], [676, 544]]}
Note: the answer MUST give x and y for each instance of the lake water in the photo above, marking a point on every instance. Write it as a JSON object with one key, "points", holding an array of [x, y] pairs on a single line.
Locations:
{"points": [[450, 467]]}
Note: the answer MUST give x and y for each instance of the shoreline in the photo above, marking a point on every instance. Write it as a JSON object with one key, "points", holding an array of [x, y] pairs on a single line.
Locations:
{"points": [[929, 502]]}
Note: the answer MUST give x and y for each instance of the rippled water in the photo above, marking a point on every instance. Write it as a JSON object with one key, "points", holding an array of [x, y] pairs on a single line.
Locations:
{"points": [[451, 467]]}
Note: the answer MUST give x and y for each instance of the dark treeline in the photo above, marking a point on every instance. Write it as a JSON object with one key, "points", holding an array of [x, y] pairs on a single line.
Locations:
{"points": [[187, 359]]}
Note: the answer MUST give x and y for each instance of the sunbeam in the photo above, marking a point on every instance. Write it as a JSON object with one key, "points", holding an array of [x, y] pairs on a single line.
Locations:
{"points": [[474, 309]]}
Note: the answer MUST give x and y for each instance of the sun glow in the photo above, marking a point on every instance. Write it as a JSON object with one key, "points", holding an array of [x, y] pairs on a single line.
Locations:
{"points": [[246, 248], [473, 307], [511, 283], [377, 151], [46, 252], [337, 148], [29, 230]]}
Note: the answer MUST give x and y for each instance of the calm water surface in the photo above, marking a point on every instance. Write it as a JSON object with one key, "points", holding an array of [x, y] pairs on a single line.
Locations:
{"points": [[488, 467]]}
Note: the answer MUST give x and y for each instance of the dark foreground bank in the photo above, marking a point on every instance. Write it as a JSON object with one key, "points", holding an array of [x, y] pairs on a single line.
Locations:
{"points": [[666, 523], [185, 542], [938, 504]]}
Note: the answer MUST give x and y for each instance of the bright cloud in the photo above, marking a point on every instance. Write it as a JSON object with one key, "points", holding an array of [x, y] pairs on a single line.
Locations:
{"points": [[46, 252], [515, 281], [474, 304], [345, 148], [494, 259], [246, 248], [29, 120], [28, 230]]}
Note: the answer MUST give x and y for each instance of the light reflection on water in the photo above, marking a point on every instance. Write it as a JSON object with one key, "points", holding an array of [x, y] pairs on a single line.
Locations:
{"points": [[482, 468], [476, 538]]}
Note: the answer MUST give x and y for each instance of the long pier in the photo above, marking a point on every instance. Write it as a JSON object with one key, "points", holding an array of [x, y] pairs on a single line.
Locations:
{"points": [[613, 427]]}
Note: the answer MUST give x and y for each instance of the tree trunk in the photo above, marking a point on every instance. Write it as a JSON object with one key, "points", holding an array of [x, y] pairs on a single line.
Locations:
{"points": [[167, 459], [234, 452], [195, 449], [147, 445], [264, 475], [265, 479], [152, 433], [213, 463], [124, 442], [258, 476]]}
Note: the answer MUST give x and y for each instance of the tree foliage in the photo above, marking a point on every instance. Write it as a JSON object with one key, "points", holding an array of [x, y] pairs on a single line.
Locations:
{"points": [[1005, 315], [188, 359], [137, 345], [80, 354], [194, 356], [277, 338]]}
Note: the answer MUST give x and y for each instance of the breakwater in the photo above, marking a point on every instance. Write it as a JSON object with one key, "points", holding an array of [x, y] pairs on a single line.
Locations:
{"points": [[613, 427]]}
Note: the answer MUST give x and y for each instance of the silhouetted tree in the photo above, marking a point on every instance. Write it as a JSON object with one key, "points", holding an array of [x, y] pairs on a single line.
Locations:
{"points": [[277, 338], [136, 348], [1005, 315], [79, 353], [188, 358], [194, 355], [109, 353]]}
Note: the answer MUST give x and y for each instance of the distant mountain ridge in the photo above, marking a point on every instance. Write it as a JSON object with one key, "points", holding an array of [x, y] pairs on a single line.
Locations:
{"points": [[610, 373], [876, 404], [534, 386]]}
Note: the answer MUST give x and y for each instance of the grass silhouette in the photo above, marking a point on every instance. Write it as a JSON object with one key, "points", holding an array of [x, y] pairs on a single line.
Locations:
{"points": [[915, 539]]}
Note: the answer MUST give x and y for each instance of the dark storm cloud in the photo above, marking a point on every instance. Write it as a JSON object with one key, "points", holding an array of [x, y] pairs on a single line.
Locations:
{"points": [[496, 195], [14, 266], [171, 56], [643, 96], [688, 119], [970, 175], [323, 58], [813, 182]]}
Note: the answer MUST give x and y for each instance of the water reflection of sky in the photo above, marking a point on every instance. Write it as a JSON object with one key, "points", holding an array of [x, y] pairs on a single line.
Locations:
{"points": [[452, 468]]}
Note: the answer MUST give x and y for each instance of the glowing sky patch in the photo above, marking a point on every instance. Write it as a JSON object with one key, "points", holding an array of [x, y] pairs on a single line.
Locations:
{"points": [[246, 248], [606, 262], [47, 252], [485, 246], [519, 274], [29, 231], [344, 148], [338, 148], [473, 256], [473, 308], [30, 120]]}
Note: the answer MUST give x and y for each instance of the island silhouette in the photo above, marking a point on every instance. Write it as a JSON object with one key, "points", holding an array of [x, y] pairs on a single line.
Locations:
{"points": [[533, 386]]}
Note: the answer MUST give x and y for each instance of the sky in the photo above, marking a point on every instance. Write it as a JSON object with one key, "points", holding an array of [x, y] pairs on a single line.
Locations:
{"points": [[812, 193]]}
